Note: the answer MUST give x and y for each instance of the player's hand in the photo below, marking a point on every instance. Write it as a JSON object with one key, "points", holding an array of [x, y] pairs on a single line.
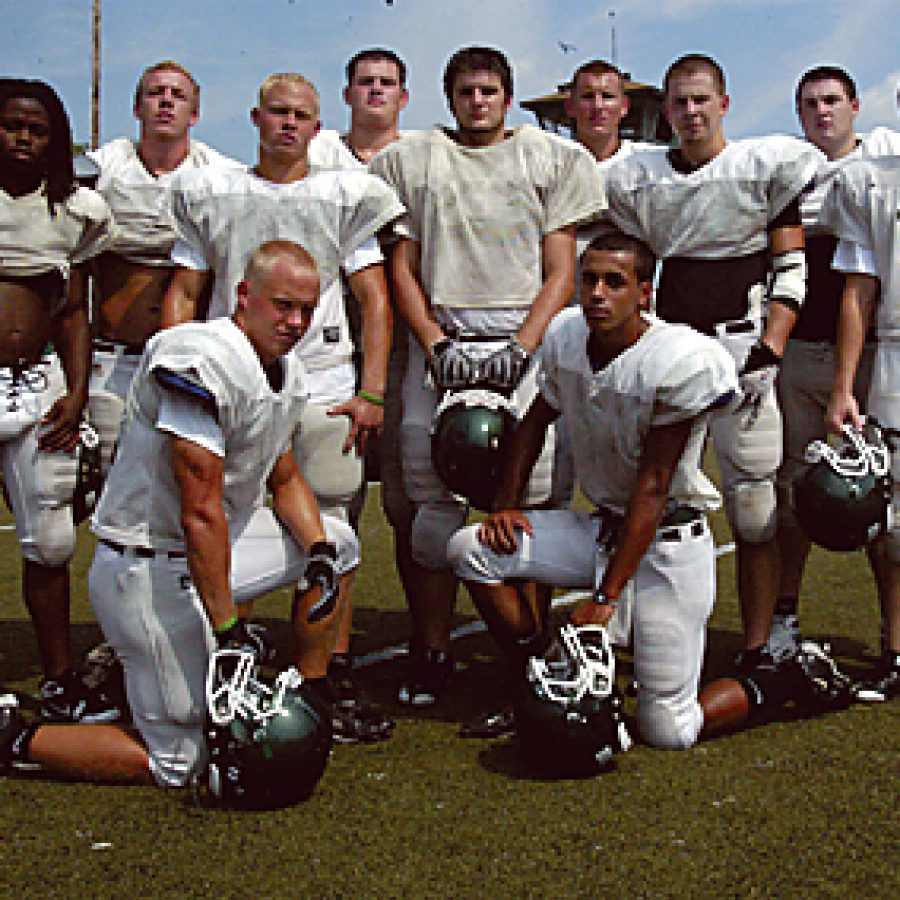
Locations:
{"points": [[498, 530], [503, 369], [366, 421], [591, 613], [248, 637], [757, 376], [842, 407], [62, 425], [451, 366], [321, 571]]}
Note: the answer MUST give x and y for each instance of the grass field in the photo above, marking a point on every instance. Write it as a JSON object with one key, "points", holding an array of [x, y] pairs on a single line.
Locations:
{"points": [[802, 808]]}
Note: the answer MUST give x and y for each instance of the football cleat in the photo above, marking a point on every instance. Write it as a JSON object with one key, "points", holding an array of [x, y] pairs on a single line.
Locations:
{"points": [[268, 743], [884, 684], [568, 715], [354, 718], [823, 686], [496, 723], [842, 501], [68, 698], [427, 678]]}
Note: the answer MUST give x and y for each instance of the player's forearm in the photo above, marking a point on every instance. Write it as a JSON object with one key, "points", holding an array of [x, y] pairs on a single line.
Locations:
{"points": [[856, 313], [370, 289], [779, 324], [410, 300], [180, 301], [295, 504], [209, 559], [72, 338]]}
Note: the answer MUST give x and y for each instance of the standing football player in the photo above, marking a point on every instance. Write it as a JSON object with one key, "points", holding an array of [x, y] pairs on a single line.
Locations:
{"points": [[862, 208], [184, 534], [376, 94], [336, 215], [827, 106], [130, 279], [474, 194], [724, 217], [638, 393], [50, 228]]}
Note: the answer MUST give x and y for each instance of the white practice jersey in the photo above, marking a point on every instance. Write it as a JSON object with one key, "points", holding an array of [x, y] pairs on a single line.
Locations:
{"points": [[140, 505], [719, 210], [670, 374], [224, 215], [141, 202], [480, 214], [32, 242], [862, 207], [328, 151]]}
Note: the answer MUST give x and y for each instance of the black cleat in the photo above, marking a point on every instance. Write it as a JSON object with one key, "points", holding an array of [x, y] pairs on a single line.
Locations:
{"points": [[496, 723], [355, 719], [822, 686], [68, 699], [427, 678], [884, 684]]}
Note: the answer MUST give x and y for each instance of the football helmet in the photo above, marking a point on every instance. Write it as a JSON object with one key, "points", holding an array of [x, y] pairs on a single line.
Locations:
{"points": [[469, 435], [569, 713], [268, 745], [843, 500]]}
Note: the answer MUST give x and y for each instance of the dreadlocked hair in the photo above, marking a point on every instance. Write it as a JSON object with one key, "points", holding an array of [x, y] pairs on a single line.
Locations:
{"points": [[59, 169]]}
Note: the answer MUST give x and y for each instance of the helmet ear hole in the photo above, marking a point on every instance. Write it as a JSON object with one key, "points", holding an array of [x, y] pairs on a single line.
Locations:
{"points": [[469, 436], [842, 500]]}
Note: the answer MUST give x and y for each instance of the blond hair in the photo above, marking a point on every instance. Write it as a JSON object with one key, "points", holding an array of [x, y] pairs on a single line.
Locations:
{"points": [[293, 78]]}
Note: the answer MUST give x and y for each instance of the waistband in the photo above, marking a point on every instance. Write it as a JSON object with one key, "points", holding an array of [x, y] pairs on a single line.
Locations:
{"points": [[142, 552], [733, 327], [119, 349], [678, 524]]}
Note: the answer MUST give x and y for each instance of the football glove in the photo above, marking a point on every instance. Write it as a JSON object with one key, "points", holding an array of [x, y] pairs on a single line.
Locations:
{"points": [[757, 377], [247, 637], [503, 369], [451, 367], [322, 570], [824, 686]]}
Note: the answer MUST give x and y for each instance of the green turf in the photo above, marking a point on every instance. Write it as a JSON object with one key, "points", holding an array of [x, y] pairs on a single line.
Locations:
{"points": [[802, 808]]}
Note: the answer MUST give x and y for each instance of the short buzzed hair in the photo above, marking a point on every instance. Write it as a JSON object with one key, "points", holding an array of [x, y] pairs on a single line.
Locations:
{"points": [[263, 259], [376, 54], [693, 64], [598, 67], [614, 240], [294, 78], [826, 73], [168, 65], [477, 59]]}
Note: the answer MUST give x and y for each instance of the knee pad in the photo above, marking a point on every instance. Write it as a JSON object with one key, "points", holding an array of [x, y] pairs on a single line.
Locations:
{"points": [[666, 728], [433, 526], [176, 767], [751, 511], [50, 539]]}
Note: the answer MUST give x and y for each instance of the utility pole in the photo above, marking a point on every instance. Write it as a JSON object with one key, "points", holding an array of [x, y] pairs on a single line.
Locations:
{"points": [[614, 53], [95, 75]]}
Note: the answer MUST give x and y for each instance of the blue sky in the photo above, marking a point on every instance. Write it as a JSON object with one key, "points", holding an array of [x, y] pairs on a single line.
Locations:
{"points": [[231, 45]]}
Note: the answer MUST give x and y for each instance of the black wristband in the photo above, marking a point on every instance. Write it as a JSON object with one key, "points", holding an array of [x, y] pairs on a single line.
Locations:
{"points": [[323, 548]]}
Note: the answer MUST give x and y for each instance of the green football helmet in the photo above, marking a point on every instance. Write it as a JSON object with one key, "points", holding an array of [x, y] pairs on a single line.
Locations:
{"points": [[268, 746], [568, 713], [843, 500], [469, 435]]}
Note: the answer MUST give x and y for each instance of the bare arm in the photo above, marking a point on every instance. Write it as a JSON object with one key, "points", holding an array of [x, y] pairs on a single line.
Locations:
{"points": [[412, 304], [857, 311], [558, 266], [180, 303], [72, 341], [662, 451], [498, 531], [199, 474], [370, 290], [294, 502]]}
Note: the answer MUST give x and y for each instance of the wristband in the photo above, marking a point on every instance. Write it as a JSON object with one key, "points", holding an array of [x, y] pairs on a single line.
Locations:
{"points": [[323, 548], [230, 623], [372, 398], [601, 599]]}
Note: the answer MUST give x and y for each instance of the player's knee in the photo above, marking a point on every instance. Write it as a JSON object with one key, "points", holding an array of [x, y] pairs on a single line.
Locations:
{"points": [[751, 511], [433, 527], [667, 725], [469, 558], [51, 542]]}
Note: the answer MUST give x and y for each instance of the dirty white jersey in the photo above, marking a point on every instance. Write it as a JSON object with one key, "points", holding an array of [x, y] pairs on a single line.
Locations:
{"points": [[862, 208], [141, 202], [328, 151], [479, 216], [34, 242], [224, 215], [140, 505], [670, 374]]}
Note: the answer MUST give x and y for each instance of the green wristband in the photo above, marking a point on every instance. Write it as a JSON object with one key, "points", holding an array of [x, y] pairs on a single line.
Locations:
{"points": [[372, 398], [226, 625]]}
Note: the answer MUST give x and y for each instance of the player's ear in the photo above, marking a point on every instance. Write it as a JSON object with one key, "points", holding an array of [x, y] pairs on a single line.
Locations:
{"points": [[725, 103], [243, 293], [404, 98], [346, 95], [254, 116]]}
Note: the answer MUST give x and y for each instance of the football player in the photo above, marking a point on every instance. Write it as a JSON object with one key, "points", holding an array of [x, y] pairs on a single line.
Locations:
{"points": [[638, 393], [221, 214], [50, 228], [468, 191], [131, 278], [184, 534], [862, 208], [827, 106], [376, 94], [724, 217]]}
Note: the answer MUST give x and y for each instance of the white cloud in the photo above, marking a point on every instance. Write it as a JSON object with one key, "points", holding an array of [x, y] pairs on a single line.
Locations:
{"points": [[878, 104]]}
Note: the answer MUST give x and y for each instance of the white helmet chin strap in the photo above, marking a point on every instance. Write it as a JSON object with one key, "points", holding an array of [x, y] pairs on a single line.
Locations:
{"points": [[867, 457]]}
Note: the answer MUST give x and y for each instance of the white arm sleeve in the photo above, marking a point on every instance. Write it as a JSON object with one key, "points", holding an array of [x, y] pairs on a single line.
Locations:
{"points": [[186, 418]]}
